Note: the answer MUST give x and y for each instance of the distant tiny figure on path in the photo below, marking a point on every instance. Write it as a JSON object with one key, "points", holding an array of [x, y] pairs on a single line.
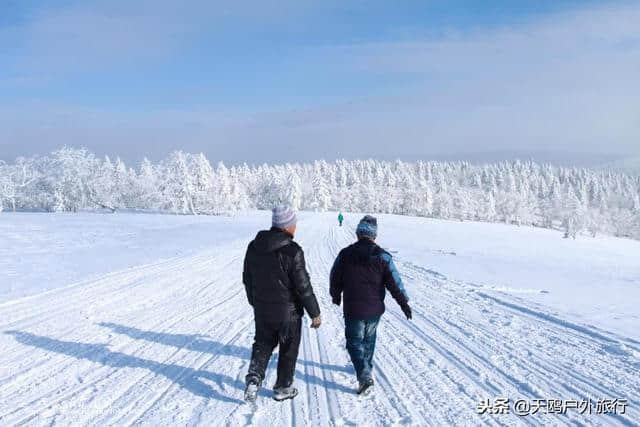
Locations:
{"points": [[340, 218]]}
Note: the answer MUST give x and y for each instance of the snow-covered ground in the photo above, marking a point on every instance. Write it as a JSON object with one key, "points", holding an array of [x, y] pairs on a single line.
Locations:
{"points": [[595, 281], [156, 328], [40, 251]]}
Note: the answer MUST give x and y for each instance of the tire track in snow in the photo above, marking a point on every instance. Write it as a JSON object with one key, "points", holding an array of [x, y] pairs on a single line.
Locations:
{"points": [[545, 376], [61, 367], [104, 373], [150, 402], [139, 349], [185, 348], [460, 346], [142, 275], [385, 406]]}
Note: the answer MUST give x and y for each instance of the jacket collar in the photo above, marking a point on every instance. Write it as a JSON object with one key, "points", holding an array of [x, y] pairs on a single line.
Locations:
{"points": [[271, 240]]}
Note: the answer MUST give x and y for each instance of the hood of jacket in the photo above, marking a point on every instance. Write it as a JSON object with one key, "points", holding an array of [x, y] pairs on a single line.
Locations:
{"points": [[363, 250], [271, 240]]}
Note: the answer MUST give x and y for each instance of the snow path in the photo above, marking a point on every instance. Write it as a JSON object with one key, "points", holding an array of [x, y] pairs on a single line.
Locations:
{"points": [[168, 343]]}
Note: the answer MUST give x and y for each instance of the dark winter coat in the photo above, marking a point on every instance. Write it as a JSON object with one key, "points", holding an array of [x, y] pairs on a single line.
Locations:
{"points": [[361, 273], [276, 279]]}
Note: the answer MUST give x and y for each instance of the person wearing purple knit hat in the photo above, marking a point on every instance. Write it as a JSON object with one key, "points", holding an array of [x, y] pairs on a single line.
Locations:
{"points": [[279, 290]]}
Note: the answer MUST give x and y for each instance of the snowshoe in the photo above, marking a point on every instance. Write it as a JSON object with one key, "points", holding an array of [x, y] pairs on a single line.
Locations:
{"points": [[284, 393], [365, 387], [251, 392]]}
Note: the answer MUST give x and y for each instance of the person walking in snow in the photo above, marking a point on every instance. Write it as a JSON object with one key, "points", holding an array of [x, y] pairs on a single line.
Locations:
{"points": [[360, 275], [340, 218], [278, 287]]}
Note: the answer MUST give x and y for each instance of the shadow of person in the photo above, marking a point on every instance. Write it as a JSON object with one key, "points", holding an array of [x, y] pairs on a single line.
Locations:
{"points": [[202, 344], [195, 342], [187, 378]]}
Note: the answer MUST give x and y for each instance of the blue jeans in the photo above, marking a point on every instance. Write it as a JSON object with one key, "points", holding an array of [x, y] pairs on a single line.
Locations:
{"points": [[361, 343]]}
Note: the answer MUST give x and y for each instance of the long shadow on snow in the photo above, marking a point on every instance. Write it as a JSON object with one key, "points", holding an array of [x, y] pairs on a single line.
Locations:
{"points": [[187, 378], [202, 344]]}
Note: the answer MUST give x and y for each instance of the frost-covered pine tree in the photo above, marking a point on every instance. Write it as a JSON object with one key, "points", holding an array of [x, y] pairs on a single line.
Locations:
{"points": [[569, 199], [6, 190], [123, 179], [147, 186], [321, 198], [426, 207], [409, 200], [222, 192], [102, 190], [635, 204], [573, 219], [292, 194], [179, 190], [203, 180], [442, 204], [489, 212]]}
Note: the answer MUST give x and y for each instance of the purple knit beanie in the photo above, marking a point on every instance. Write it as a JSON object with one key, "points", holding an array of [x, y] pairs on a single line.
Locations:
{"points": [[283, 217]]}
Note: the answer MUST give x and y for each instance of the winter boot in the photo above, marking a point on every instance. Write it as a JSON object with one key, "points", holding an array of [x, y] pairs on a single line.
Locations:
{"points": [[251, 392], [365, 387], [284, 393]]}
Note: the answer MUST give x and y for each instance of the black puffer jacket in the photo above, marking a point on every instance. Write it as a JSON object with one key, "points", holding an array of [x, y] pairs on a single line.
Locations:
{"points": [[276, 279]]}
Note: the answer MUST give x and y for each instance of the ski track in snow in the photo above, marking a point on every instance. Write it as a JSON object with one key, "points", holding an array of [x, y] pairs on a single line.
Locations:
{"points": [[168, 344]]}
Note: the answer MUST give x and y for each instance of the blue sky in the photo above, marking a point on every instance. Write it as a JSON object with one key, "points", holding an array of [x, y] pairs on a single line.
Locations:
{"points": [[297, 80]]}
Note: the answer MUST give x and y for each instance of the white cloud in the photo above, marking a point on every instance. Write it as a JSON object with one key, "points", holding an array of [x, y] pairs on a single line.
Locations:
{"points": [[569, 82], [116, 33]]}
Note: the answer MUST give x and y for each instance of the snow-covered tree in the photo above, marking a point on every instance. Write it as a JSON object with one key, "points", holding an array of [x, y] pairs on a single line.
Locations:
{"points": [[102, 186], [489, 212], [292, 193], [178, 187], [321, 196], [568, 199], [203, 182], [222, 190], [147, 186], [573, 220]]}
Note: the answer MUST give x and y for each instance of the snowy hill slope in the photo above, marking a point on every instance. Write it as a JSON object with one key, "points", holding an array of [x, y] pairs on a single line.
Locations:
{"points": [[168, 343], [42, 252]]}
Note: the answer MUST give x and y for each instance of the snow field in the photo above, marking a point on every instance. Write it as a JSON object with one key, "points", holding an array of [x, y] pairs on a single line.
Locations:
{"points": [[168, 342]]}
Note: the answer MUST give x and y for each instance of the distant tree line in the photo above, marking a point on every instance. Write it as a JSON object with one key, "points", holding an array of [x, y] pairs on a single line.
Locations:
{"points": [[573, 200]]}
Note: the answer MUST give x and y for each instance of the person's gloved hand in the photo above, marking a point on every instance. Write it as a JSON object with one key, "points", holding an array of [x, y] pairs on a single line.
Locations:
{"points": [[336, 301], [406, 310], [316, 322]]}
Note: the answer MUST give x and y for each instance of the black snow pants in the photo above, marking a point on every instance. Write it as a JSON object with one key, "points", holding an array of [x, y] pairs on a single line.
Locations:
{"points": [[270, 334]]}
